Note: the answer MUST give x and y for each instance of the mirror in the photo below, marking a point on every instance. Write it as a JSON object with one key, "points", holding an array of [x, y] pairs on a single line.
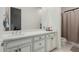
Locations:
{"points": [[15, 19], [12, 19]]}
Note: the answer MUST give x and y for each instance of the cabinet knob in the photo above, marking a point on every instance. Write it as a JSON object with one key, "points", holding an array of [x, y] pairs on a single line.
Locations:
{"points": [[19, 49], [2, 44], [39, 43], [16, 50], [40, 37], [52, 38]]}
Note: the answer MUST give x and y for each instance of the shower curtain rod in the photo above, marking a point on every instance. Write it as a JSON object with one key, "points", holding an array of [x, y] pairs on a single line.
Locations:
{"points": [[71, 10]]}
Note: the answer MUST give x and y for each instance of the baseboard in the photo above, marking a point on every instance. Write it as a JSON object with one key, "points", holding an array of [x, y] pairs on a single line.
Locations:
{"points": [[53, 50]]}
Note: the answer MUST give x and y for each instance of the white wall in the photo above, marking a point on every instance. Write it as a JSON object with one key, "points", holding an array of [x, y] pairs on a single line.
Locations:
{"points": [[30, 18], [51, 16], [2, 16]]}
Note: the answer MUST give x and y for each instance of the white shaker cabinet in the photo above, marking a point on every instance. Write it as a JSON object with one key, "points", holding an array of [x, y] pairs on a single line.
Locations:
{"points": [[40, 43], [51, 42], [22, 49], [26, 49], [12, 50], [40, 50], [19, 45], [48, 43], [35, 43]]}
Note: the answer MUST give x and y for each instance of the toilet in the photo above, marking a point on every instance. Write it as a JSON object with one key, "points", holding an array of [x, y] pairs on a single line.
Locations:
{"points": [[63, 42]]}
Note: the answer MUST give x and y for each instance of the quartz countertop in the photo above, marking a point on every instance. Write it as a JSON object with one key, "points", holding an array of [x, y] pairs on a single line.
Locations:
{"points": [[23, 34]]}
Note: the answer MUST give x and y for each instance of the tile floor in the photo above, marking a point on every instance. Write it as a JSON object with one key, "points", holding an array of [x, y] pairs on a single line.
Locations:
{"points": [[64, 49], [67, 47]]}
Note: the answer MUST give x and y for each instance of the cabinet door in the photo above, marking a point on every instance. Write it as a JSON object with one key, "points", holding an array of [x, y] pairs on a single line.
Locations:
{"points": [[40, 50], [54, 43], [39, 44], [18, 42], [26, 49], [51, 42], [12, 50], [20, 49]]}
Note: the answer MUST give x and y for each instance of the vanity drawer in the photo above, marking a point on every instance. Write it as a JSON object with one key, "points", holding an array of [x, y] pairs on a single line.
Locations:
{"points": [[18, 42], [36, 38], [39, 44], [40, 50], [39, 38], [50, 36], [42, 37], [20, 49], [12, 50]]}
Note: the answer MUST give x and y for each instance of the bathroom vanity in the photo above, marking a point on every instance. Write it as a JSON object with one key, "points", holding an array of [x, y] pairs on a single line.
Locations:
{"points": [[38, 41], [24, 19]]}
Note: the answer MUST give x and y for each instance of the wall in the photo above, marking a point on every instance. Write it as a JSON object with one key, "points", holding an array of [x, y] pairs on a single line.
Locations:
{"points": [[51, 16], [2, 16], [30, 18]]}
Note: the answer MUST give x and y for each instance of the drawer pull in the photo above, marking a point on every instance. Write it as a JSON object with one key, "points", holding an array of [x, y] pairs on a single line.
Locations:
{"points": [[39, 43], [51, 38], [40, 37], [19, 49], [16, 50], [2, 44]]}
